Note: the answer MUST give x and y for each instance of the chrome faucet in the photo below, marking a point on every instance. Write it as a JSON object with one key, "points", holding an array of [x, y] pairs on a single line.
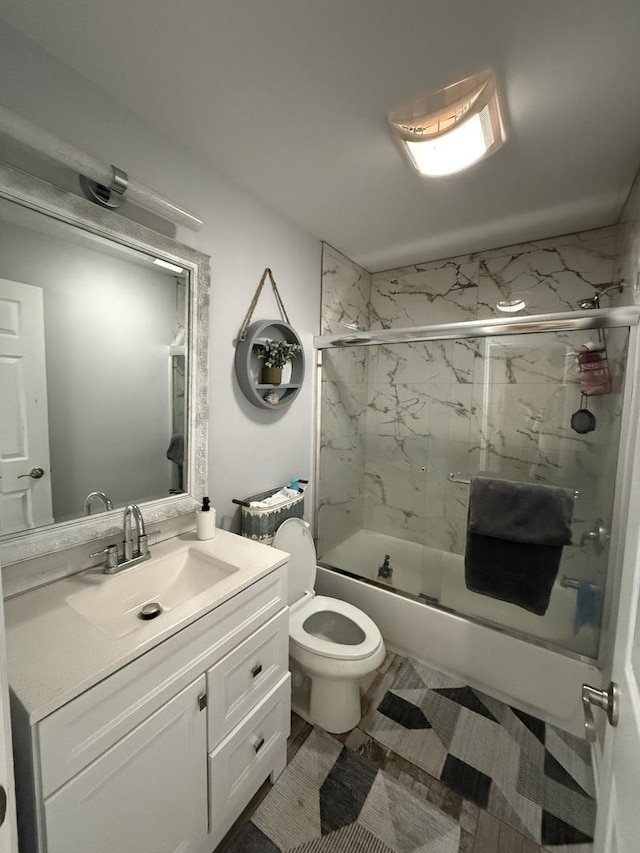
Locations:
{"points": [[115, 562], [108, 505], [141, 533]]}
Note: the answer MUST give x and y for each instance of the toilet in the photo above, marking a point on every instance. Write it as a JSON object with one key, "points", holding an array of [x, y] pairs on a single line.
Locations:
{"points": [[332, 644]]}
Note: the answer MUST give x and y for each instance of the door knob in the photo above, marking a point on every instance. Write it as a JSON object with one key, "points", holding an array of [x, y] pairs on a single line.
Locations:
{"points": [[3, 804], [35, 473], [607, 699]]}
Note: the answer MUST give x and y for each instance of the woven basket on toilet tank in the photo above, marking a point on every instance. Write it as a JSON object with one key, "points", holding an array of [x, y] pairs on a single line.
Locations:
{"points": [[261, 524]]}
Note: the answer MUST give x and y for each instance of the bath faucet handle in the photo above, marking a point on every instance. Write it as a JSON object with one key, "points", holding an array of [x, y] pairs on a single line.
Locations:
{"points": [[112, 556], [598, 536]]}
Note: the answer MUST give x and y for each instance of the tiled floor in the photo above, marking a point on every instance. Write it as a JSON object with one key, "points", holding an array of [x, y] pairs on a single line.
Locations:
{"points": [[480, 831]]}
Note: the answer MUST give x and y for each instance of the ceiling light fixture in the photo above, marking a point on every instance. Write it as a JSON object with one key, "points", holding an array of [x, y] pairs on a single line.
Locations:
{"points": [[511, 305], [167, 266], [453, 128]]}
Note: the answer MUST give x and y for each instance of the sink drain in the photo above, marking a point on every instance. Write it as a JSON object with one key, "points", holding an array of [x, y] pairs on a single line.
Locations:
{"points": [[150, 611]]}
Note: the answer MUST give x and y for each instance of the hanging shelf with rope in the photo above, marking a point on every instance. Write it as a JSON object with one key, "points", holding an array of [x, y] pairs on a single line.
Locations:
{"points": [[251, 336]]}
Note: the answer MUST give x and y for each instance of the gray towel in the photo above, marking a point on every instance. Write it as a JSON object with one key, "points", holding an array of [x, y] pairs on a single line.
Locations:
{"points": [[530, 513], [515, 535], [175, 454], [175, 451]]}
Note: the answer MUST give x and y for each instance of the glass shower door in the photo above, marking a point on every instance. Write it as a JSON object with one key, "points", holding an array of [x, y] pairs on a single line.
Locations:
{"points": [[405, 426]]}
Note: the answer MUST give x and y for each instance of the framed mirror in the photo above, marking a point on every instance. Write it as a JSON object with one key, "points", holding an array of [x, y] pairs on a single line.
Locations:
{"points": [[103, 370]]}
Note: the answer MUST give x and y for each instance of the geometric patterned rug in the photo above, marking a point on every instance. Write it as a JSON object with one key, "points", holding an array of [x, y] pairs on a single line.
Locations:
{"points": [[330, 799], [527, 773]]}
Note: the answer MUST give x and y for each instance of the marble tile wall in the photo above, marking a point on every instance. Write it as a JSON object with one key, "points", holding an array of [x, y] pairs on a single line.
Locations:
{"points": [[346, 294], [551, 275], [501, 405], [409, 414]]}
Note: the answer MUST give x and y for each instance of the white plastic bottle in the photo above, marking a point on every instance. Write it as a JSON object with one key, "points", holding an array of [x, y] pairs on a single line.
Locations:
{"points": [[206, 521]]}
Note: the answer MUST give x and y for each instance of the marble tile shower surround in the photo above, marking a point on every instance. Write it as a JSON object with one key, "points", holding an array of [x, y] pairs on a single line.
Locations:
{"points": [[500, 405], [428, 408], [346, 294], [341, 439], [551, 274]]}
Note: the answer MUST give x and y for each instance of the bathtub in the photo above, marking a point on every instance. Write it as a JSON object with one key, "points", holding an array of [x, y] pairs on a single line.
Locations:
{"points": [[540, 681]]}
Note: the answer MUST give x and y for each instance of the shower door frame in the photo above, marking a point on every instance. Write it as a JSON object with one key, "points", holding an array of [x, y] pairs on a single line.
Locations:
{"points": [[626, 316]]}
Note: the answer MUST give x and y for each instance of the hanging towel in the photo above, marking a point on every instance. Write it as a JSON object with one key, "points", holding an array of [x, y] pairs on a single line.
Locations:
{"points": [[175, 454], [175, 451], [515, 535], [588, 605]]}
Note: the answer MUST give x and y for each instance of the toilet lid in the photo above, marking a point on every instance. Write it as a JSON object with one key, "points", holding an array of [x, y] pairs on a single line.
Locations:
{"points": [[293, 536]]}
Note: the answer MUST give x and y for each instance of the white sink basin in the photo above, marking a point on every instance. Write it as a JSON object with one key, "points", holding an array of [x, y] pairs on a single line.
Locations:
{"points": [[112, 602]]}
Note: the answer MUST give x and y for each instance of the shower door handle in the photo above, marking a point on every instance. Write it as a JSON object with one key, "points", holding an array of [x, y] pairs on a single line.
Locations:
{"points": [[607, 699]]}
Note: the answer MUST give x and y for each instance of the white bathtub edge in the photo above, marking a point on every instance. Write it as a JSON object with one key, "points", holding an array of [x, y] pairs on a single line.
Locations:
{"points": [[541, 682]]}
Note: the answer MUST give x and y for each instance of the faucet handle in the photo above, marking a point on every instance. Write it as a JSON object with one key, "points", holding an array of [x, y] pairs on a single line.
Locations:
{"points": [[143, 545], [112, 556]]}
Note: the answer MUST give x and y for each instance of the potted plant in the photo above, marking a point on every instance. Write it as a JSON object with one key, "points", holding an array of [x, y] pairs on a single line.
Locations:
{"points": [[274, 355]]}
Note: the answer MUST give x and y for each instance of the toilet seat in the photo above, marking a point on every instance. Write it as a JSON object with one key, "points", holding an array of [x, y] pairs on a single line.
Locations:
{"points": [[332, 644], [320, 645]]}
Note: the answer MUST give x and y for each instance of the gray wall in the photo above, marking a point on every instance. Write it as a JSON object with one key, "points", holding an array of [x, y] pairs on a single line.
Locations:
{"points": [[108, 327], [249, 449]]}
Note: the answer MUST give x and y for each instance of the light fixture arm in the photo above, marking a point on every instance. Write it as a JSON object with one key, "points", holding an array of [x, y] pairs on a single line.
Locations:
{"points": [[93, 171], [110, 196]]}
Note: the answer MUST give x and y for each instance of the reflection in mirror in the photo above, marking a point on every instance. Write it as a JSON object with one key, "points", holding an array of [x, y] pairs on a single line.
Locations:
{"points": [[93, 370]]}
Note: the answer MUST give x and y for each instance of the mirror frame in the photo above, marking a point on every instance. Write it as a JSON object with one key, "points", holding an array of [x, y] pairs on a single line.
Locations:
{"points": [[41, 196]]}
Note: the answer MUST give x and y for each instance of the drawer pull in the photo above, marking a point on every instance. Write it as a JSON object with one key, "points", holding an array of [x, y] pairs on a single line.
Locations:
{"points": [[258, 744], [257, 669]]}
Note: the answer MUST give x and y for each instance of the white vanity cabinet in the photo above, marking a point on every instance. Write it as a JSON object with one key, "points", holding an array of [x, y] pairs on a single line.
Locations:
{"points": [[148, 792], [163, 754]]}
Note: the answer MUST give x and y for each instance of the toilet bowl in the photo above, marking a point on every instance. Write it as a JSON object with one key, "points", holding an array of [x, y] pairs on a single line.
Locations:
{"points": [[332, 644]]}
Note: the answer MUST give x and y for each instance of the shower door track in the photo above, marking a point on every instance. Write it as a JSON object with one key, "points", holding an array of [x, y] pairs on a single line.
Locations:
{"points": [[568, 321]]}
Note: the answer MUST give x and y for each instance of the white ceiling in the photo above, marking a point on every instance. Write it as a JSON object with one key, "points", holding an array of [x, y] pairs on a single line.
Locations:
{"points": [[290, 97]]}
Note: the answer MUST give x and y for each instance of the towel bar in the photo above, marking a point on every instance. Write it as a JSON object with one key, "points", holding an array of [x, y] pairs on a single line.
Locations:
{"points": [[458, 478], [574, 583]]}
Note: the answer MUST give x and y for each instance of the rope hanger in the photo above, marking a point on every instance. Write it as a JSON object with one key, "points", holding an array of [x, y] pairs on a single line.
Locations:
{"points": [[283, 312]]}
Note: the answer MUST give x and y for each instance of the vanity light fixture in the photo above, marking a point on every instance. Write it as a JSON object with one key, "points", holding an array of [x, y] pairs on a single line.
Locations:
{"points": [[453, 128], [168, 266], [103, 184]]}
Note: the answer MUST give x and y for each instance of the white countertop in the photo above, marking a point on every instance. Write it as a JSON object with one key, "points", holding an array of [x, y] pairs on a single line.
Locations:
{"points": [[54, 654]]}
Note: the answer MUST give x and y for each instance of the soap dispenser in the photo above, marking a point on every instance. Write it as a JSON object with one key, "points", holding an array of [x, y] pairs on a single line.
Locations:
{"points": [[206, 521], [385, 572]]}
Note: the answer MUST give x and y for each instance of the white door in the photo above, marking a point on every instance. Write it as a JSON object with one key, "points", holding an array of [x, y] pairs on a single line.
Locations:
{"points": [[618, 821], [8, 830], [25, 493]]}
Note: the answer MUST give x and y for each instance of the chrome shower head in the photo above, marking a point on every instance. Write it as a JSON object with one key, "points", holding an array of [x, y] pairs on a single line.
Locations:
{"points": [[594, 301]]}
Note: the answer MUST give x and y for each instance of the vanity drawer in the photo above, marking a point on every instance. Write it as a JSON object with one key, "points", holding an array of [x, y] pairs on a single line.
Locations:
{"points": [[76, 734], [241, 763], [241, 679]]}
